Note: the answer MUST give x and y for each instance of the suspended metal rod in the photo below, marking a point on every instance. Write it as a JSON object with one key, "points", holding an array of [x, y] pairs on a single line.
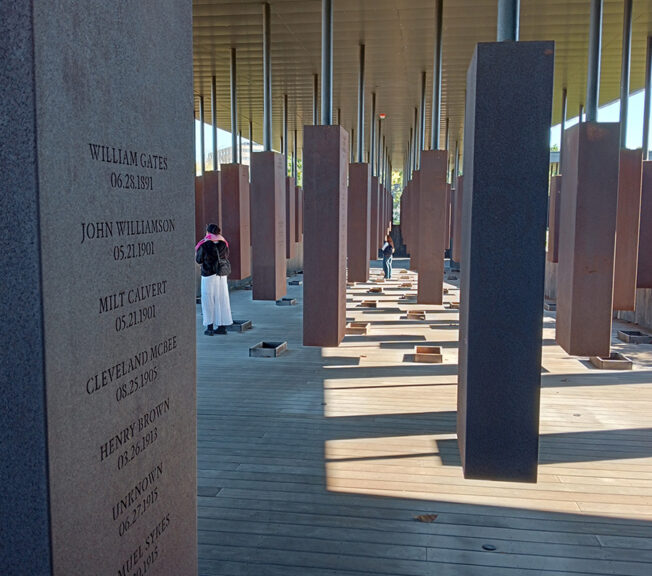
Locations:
{"points": [[201, 135], [625, 70], [508, 20], [360, 106], [564, 105], [372, 135], [315, 99], [214, 119], [327, 62], [435, 123], [267, 78], [648, 99], [593, 75], [234, 109]]}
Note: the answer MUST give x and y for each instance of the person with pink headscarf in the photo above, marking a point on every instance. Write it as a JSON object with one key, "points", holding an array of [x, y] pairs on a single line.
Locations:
{"points": [[212, 253]]}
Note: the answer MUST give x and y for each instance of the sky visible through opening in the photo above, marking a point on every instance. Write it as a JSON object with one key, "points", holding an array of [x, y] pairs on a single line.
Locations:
{"points": [[607, 113]]}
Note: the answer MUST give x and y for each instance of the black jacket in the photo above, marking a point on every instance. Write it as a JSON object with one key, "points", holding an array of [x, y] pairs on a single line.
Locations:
{"points": [[209, 254]]}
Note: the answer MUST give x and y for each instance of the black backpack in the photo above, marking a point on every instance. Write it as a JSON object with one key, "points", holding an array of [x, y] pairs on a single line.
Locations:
{"points": [[223, 264]]}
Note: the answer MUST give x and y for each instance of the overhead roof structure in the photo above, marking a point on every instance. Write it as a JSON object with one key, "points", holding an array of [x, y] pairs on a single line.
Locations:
{"points": [[399, 43]]}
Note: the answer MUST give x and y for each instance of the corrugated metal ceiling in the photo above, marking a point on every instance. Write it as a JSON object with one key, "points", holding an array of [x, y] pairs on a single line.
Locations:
{"points": [[399, 36]]}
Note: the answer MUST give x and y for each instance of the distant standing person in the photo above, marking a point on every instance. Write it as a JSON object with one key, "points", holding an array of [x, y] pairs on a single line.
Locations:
{"points": [[212, 253], [388, 250]]}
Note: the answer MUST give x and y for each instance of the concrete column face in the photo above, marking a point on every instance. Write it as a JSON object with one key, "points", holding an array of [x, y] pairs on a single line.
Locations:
{"points": [[457, 219], [554, 206], [200, 224], [212, 198], [268, 226], [97, 377], [506, 160], [375, 217], [432, 214], [290, 217], [644, 277], [587, 238], [236, 225], [358, 222], [326, 161], [627, 229]]}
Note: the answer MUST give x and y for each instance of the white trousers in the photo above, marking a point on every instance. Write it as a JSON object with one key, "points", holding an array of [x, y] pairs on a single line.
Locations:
{"points": [[215, 304]]}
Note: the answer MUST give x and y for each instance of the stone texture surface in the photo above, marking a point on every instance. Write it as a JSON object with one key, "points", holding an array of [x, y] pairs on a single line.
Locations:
{"points": [[268, 226], [432, 227], [115, 221], [627, 229], [457, 218], [212, 198], [554, 206], [24, 499], [358, 217], [235, 218], [290, 217], [644, 278], [587, 239], [325, 165], [506, 160]]}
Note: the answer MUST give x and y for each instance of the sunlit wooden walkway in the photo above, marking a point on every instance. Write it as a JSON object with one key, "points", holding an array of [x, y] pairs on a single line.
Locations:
{"points": [[318, 463]]}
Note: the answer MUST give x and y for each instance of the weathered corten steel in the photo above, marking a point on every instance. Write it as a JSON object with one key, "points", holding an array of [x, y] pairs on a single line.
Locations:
{"points": [[644, 279], [290, 217], [432, 226], [212, 197], [587, 238], [359, 215], [627, 229], [326, 162], [268, 226], [554, 206], [236, 225]]}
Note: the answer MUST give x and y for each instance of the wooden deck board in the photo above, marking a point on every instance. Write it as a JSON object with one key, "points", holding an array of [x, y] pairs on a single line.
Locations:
{"points": [[317, 463]]}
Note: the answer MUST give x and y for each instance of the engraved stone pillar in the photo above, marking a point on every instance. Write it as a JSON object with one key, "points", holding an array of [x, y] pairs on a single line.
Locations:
{"points": [[235, 218], [506, 160], [358, 217], [326, 160], [587, 238], [554, 205], [290, 217], [457, 217], [432, 226], [212, 197], [644, 276], [627, 229], [268, 226], [97, 376]]}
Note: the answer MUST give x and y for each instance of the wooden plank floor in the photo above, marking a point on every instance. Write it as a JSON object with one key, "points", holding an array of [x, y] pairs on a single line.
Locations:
{"points": [[317, 462]]}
